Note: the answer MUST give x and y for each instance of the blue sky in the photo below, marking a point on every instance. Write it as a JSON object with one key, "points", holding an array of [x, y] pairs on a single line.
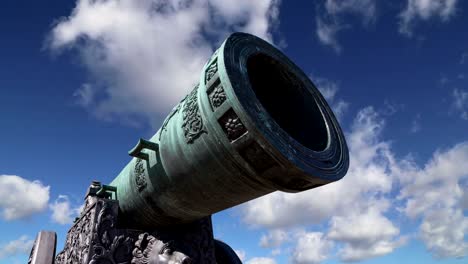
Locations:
{"points": [[81, 81]]}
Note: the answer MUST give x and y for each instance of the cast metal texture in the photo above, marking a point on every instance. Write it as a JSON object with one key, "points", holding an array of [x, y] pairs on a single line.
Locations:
{"points": [[224, 144]]}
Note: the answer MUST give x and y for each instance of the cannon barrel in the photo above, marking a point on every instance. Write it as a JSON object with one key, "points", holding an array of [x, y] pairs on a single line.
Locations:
{"points": [[254, 124]]}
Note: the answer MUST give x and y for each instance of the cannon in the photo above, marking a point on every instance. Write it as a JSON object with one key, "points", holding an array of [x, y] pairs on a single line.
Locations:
{"points": [[253, 124]]}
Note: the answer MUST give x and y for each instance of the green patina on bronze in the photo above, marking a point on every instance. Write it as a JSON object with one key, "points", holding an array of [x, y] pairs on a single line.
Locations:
{"points": [[254, 124]]}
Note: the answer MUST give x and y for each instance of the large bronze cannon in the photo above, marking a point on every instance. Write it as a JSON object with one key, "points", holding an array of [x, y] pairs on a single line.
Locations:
{"points": [[254, 124]]}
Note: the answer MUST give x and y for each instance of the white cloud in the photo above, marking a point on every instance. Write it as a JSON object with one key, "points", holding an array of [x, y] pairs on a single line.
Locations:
{"points": [[365, 235], [85, 95], [276, 252], [382, 247], [329, 19], [391, 108], [22, 245], [365, 8], [444, 233], [311, 248], [144, 56], [21, 198], [368, 177], [460, 102], [359, 198], [62, 211], [261, 261], [425, 10], [464, 200], [436, 193], [327, 33], [240, 253], [356, 206], [329, 89], [274, 238]]}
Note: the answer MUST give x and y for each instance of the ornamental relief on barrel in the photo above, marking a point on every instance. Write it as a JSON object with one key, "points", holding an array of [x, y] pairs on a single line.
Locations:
{"points": [[216, 94], [232, 125], [139, 172], [192, 124], [211, 70]]}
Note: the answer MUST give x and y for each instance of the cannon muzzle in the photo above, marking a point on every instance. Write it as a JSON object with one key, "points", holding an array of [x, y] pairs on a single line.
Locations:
{"points": [[254, 124]]}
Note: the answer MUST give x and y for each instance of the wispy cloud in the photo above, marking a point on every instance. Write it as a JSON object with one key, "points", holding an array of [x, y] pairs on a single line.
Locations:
{"points": [[329, 19], [424, 10], [19, 246], [416, 124], [261, 260], [21, 198], [329, 89], [144, 56], [327, 33], [62, 211], [85, 95], [464, 58], [241, 254], [460, 102]]}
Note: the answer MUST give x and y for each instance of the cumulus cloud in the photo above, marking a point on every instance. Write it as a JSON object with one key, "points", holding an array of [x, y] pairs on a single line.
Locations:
{"points": [[424, 10], [311, 248], [261, 260], [360, 198], [21, 198], [62, 211], [356, 208], [444, 233], [144, 56], [274, 238], [329, 19], [20, 246], [460, 102], [436, 194], [368, 175], [365, 235]]}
